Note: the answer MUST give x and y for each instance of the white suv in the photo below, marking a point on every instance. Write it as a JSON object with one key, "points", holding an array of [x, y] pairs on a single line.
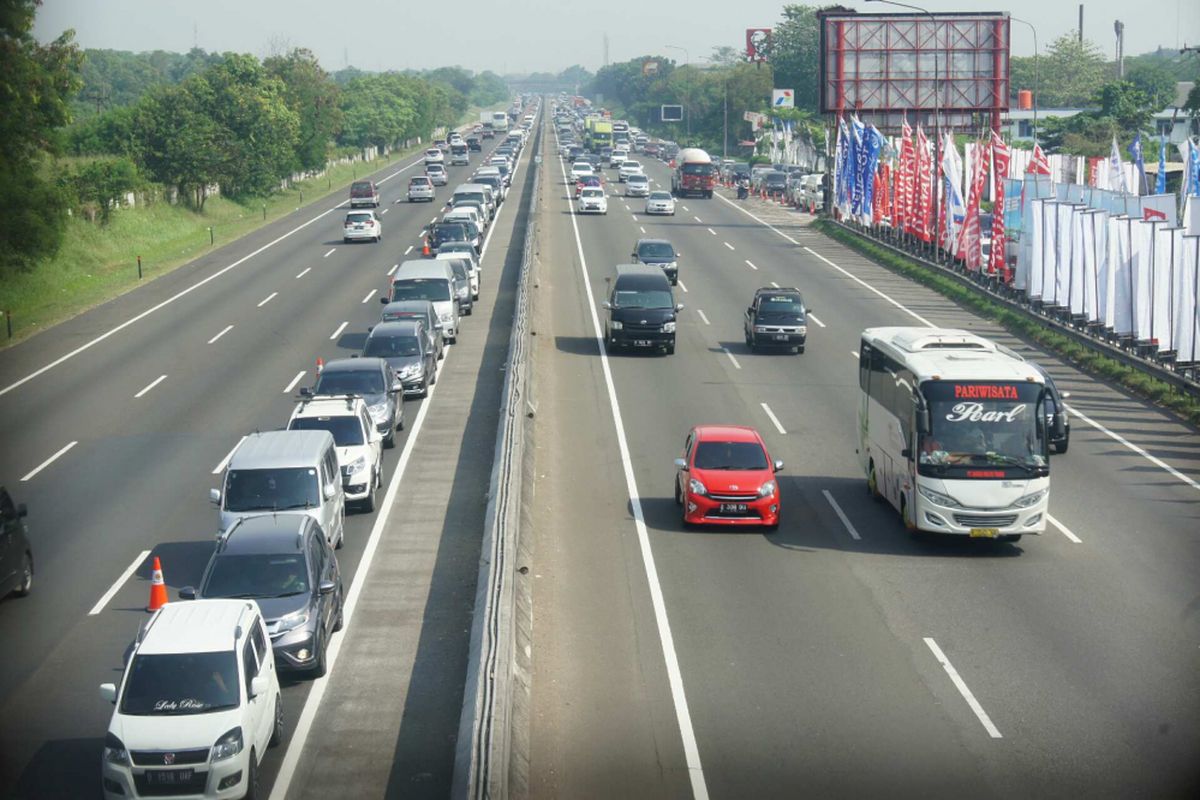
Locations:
{"points": [[198, 705], [359, 445]]}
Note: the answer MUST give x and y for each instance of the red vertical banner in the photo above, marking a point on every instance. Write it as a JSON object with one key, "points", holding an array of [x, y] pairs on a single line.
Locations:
{"points": [[971, 242], [1039, 164], [904, 177], [923, 202], [1000, 161]]}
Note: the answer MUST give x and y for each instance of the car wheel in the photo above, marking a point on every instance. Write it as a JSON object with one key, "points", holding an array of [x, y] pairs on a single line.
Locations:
{"points": [[675, 281], [252, 792], [25, 586], [341, 617], [1061, 447], [389, 441], [345, 241], [341, 536], [433, 375], [322, 666], [424, 389], [368, 502], [277, 728], [678, 494]]}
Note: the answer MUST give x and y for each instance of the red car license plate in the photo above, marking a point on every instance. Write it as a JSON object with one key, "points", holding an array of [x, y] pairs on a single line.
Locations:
{"points": [[168, 777], [734, 508]]}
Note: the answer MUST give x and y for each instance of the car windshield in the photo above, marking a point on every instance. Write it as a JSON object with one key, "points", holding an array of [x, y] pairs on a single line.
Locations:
{"points": [[656, 250], [435, 169], [593, 193], [660, 196], [631, 165], [361, 189], [422, 181], [392, 346], [638, 179], [982, 424], [181, 683], [361, 218], [730, 455], [781, 306], [449, 233], [257, 575], [271, 489], [359, 382], [643, 298], [347, 430], [431, 289]]}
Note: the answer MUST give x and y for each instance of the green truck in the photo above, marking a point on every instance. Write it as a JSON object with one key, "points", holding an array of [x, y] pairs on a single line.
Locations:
{"points": [[597, 134]]}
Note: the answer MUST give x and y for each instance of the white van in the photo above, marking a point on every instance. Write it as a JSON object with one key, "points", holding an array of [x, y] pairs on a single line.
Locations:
{"points": [[432, 280], [464, 214], [475, 191], [284, 471]]}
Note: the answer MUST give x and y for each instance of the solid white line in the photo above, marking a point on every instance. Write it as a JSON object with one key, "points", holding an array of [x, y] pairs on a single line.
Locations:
{"points": [[1152, 459], [339, 330], [227, 329], [683, 286], [303, 272], [683, 716], [776, 285], [331, 251], [104, 598], [710, 230], [750, 264], [701, 313], [774, 419], [228, 456], [962, 689], [47, 462], [370, 294], [731, 358], [150, 386], [1065, 530], [268, 299], [308, 714], [393, 269], [292, 385], [409, 250], [841, 515], [727, 244], [814, 319]]}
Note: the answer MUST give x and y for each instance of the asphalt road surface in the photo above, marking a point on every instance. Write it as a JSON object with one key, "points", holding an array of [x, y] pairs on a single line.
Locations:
{"points": [[234, 334], [835, 657]]}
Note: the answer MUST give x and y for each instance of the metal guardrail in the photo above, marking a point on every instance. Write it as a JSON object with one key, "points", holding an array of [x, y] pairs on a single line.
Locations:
{"points": [[482, 756], [1185, 380]]}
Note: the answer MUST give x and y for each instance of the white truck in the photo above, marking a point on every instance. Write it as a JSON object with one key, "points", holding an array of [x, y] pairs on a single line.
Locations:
{"points": [[499, 121]]}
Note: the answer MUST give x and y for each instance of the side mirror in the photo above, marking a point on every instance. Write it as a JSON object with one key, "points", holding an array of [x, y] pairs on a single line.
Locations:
{"points": [[923, 425], [214, 496], [606, 304], [1060, 426], [681, 463], [305, 391], [370, 328], [778, 465], [906, 453], [259, 686], [108, 691], [1065, 395], [397, 387], [187, 593], [22, 511], [679, 306], [326, 587], [328, 492]]}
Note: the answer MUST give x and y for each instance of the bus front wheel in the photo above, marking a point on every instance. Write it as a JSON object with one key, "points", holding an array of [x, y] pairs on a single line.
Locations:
{"points": [[873, 484]]}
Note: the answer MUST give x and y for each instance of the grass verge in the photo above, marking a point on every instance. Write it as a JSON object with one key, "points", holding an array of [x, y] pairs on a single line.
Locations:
{"points": [[1137, 382]]}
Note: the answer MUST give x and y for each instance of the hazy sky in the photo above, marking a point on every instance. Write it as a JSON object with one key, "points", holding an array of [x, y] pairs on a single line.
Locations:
{"points": [[538, 35]]}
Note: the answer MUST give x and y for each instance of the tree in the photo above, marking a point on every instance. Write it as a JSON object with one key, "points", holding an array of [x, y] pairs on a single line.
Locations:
{"points": [[795, 54], [313, 96], [1072, 73], [726, 56], [380, 110], [1155, 81], [38, 83], [1125, 104], [103, 183]]}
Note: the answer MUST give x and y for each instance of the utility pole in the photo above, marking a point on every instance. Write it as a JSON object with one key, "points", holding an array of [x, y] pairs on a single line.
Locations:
{"points": [[725, 130], [1119, 29], [606, 49], [1081, 23]]}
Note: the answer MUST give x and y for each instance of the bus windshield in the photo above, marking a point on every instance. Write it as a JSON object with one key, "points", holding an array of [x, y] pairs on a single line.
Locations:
{"points": [[982, 424]]}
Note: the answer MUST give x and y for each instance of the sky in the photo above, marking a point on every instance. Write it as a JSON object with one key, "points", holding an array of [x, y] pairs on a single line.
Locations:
{"points": [[521, 36]]}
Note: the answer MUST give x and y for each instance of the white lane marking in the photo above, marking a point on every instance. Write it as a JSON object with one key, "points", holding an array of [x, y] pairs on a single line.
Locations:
{"points": [[308, 714], [814, 319], [774, 419], [642, 228], [683, 286], [228, 456], [1158, 462], [776, 285], [685, 208], [150, 386], [393, 269], [433, 220], [226, 330], [104, 598], [683, 716], [701, 313], [409, 250], [384, 211], [292, 385], [731, 358], [750, 264], [331, 251], [962, 688], [339, 330], [303, 272], [267, 299], [727, 244], [47, 462], [696, 218], [635, 219], [710, 230], [841, 515], [370, 294], [1065, 530]]}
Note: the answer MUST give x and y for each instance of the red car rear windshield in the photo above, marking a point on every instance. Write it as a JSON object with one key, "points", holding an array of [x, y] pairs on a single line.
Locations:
{"points": [[362, 189]]}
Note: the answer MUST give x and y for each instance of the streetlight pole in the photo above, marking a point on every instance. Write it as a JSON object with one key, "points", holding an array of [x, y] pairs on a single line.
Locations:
{"points": [[687, 110], [1037, 89]]}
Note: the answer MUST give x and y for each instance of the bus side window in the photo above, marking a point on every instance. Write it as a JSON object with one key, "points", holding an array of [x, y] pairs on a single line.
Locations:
{"points": [[864, 366]]}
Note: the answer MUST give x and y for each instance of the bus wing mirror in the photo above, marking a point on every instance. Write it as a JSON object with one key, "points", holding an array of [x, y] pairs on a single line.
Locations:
{"points": [[923, 425], [1060, 426]]}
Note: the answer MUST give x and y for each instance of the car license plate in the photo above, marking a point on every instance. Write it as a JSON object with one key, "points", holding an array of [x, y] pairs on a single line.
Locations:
{"points": [[168, 777], [781, 337], [733, 508], [642, 343], [984, 533]]}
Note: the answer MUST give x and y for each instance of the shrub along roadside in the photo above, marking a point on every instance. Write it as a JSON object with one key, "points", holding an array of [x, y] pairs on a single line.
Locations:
{"points": [[1086, 359]]}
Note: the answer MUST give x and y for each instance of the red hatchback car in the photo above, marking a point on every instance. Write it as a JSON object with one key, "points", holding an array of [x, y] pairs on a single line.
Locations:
{"points": [[727, 477], [588, 180]]}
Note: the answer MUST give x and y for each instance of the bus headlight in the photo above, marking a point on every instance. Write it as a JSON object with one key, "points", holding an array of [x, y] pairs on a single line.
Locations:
{"points": [[938, 498], [1032, 499]]}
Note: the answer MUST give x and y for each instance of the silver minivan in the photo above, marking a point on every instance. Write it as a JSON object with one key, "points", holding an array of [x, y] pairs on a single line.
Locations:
{"points": [[284, 471], [432, 280]]}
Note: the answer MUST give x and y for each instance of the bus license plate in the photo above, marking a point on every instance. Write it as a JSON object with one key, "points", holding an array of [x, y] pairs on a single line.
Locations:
{"points": [[733, 508], [984, 533]]}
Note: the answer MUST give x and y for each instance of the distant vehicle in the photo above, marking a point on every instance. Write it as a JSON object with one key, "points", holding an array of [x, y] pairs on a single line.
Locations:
{"points": [[434, 155], [459, 154], [694, 174], [364, 193], [588, 182], [405, 346], [499, 121], [470, 264], [660, 203], [362, 226], [431, 280], [660, 253], [776, 318], [592, 200], [420, 187], [359, 445], [16, 554], [579, 169], [474, 144], [462, 285], [637, 185], [370, 379], [437, 174], [627, 168], [726, 477], [641, 310], [415, 309]]}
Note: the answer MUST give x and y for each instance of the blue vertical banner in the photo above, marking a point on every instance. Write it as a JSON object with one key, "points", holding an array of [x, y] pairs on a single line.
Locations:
{"points": [[843, 158], [1160, 185], [1193, 168], [872, 144], [1135, 154], [858, 161]]}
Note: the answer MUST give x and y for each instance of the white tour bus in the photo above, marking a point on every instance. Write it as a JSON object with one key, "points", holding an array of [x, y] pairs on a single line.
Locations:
{"points": [[950, 434]]}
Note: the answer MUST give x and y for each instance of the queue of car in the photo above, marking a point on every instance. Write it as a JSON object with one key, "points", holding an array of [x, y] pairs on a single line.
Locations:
{"points": [[200, 700]]}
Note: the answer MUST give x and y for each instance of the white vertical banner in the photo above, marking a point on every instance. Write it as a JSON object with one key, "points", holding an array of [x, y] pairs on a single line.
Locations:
{"points": [[1167, 240], [1143, 276], [1095, 258], [1062, 256], [1187, 309], [1120, 263], [1037, 249], [1075, 266]]}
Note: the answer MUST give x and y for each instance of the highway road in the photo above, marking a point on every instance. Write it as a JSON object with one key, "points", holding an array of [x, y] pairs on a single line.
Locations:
{"points": [[114, 427], [835, 657]]}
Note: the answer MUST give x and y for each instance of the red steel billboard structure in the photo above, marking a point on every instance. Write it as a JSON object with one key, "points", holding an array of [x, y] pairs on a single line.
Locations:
{"points": [[942, 70]]}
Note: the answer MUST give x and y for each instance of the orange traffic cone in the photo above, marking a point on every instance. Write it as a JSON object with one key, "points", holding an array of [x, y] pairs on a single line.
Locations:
{"points": [[158, 589], [320, 364], [425, 249]]}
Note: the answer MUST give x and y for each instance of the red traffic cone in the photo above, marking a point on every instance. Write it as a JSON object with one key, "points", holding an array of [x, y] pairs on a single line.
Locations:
{"points": [[320, 364], [158, 589]]}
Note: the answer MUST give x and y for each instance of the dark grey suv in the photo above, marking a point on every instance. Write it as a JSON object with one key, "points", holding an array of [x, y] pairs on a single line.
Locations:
{"points": [[283, 562], [370, 378], [16, 556]]}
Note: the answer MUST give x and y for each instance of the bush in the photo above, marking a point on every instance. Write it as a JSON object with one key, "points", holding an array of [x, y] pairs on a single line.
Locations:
{"points": [[101, 185]]}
